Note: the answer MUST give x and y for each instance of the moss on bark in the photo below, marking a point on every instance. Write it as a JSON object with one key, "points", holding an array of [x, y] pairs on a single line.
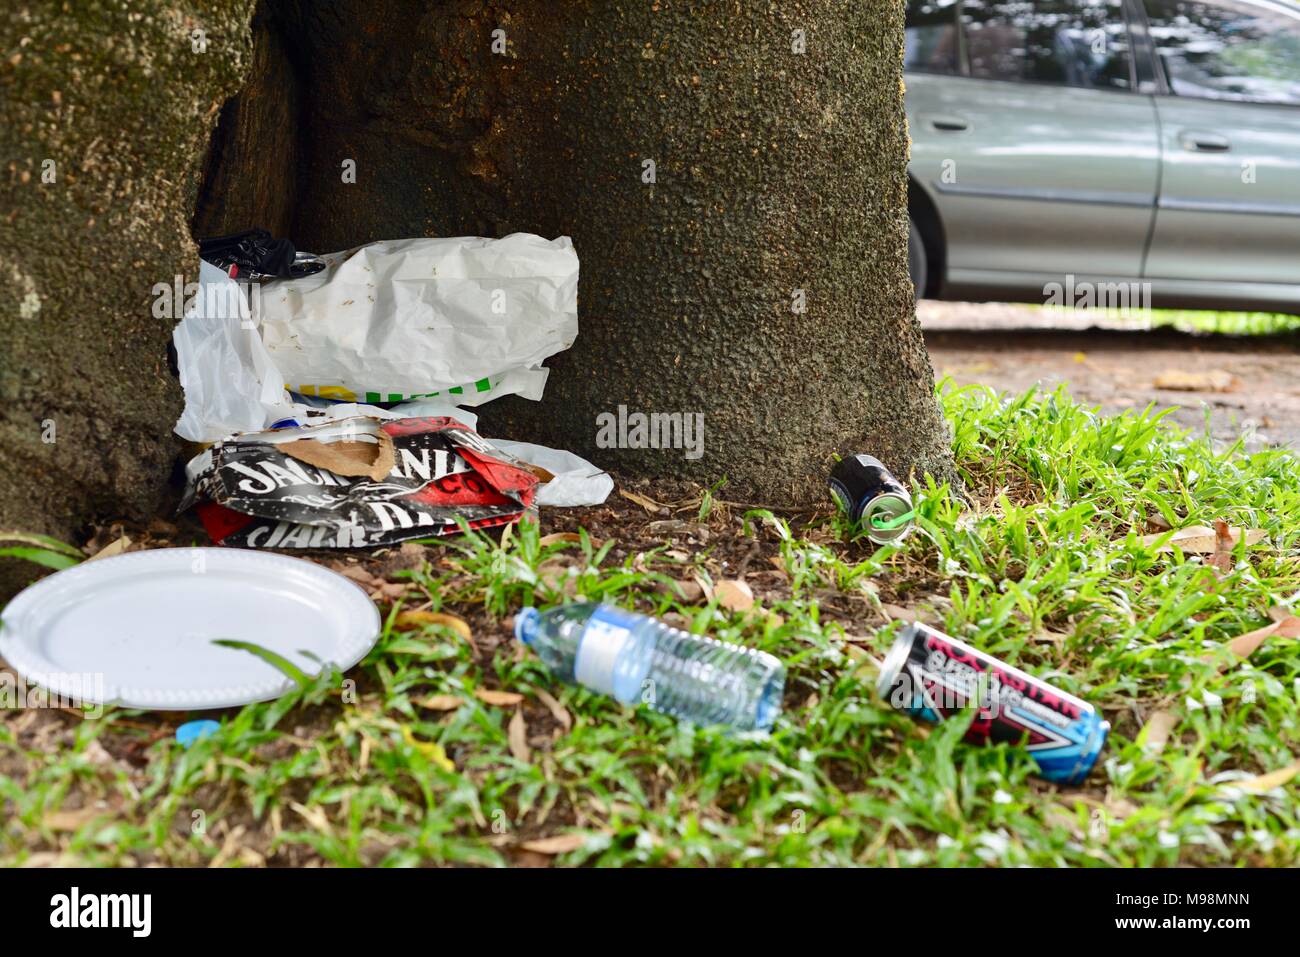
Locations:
{"points": [[779, 182], [105, 113]]}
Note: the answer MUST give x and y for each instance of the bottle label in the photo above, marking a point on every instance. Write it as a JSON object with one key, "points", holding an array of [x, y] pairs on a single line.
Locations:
{"points": [[607, 633]]}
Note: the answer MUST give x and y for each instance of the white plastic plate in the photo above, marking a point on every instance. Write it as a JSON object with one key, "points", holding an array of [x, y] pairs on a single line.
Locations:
{"points": [[137, 630]]}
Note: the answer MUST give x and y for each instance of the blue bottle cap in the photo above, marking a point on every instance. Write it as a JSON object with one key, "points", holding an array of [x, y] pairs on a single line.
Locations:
{"points": [[192, 731], [526, 625]]}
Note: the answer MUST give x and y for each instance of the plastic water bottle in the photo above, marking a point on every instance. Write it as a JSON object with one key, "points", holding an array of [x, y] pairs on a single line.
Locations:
{"points": [[637, 659]]}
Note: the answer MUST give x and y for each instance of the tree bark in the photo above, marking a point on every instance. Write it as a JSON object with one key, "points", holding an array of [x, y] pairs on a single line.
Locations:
{"points": [[105, 113], [759, 280]]}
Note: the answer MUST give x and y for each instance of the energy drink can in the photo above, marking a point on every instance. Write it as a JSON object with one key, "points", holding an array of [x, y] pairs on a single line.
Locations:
{"points": [[931, 676], [875, 500]]}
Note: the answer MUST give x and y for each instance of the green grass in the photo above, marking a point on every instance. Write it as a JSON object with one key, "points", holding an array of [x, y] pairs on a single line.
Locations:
{"points": [[1227, 323], [1195, 320], [1041, 566]]}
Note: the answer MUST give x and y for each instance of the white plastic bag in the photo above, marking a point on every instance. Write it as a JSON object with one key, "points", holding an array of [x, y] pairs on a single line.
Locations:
{"points": [[467, 319], [464, 319], [231, 383], [576, 481]]}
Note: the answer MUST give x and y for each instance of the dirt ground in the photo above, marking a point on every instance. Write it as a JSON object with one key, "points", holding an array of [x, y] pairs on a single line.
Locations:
{"points": [[1251, 385]]}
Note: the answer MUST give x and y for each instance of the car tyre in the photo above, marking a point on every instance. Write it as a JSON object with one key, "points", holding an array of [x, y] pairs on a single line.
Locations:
{"points": [[916, 264]]}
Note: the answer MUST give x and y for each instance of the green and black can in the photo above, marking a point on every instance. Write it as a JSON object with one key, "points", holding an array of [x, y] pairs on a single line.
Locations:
{"points": [[875, 501]]}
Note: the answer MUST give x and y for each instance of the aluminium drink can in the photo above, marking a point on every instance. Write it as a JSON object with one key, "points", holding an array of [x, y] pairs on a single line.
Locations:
{"points": [[871, 496], [932, 676]]}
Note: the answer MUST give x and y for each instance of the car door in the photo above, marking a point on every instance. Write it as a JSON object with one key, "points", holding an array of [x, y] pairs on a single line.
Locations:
{"points": [[1229, 206], [1035, 143]]}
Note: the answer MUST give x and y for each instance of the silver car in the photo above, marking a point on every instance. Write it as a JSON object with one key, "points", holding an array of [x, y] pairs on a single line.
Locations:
{"points": [[1106, 141]]}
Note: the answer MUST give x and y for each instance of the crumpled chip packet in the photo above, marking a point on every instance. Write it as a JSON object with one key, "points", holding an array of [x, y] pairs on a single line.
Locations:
{"points": [[355, 483]]}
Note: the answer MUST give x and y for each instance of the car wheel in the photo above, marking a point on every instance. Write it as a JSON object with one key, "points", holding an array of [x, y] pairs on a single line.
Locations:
{"points": [[916, 265]]}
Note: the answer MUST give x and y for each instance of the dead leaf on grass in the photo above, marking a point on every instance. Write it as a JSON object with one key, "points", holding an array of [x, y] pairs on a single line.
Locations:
{"points": [[358, 574], [518, 735], [1267, 782], [734, 594], [649, 504], [1157, 731], [1158, 522], [689, 591], [1243, 646], [72, 820], [112, 548], [388, 591], [1212, 380], [1049, 636], [558, 711], [432, 751], [560, 844], [556, 538], [441, 702], [895, 612], [1200, 540], [556, 575], [419, 619], [500, 699]]}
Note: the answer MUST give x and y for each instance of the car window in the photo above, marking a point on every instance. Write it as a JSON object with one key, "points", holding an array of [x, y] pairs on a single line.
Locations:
{"points": [[1228, 49], [930, 37], [1080, 43]]}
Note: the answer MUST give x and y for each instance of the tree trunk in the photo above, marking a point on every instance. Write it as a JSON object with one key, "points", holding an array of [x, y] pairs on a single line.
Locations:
{"points": [[732, 175], [105, 113], [758, 278]]}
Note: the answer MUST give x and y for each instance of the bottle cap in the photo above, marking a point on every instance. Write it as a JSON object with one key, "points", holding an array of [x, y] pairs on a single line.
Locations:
{"points": [[526, 625], [192, 731]]}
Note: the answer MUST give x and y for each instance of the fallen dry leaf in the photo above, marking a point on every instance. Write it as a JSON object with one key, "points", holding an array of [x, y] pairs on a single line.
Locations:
{"points": [[1244, 645], [357, 574], [419, 619], [441, 702], [690, 591], [68, 821], [649, 504], [411, 555], [1266, 782], [558, 711], [734, 594], [1157, 731], [1200, 540], [389, 590], [518, 735], [556, 537], [430, 749], [556, 575], [1049, 636], [560, 844], [1213, 380], [111, 549], [1158, 522], [501, 699]]}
